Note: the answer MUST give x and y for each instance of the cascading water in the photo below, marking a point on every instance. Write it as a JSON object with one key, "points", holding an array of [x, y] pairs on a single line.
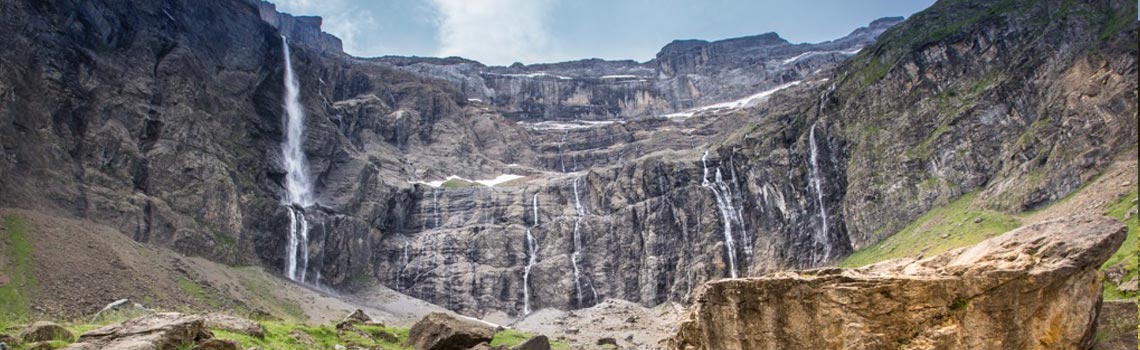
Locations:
{"points": [[728, 213], [580, 213], [532, 257], [298, 187], [821, 241]]}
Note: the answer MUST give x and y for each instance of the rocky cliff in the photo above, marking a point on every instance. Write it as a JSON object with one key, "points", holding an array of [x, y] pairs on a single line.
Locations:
{"points": [[1034, 288], [164, 120]]}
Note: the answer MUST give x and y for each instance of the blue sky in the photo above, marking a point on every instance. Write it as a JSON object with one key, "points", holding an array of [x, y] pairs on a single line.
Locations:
{"points": [[501, 32]]}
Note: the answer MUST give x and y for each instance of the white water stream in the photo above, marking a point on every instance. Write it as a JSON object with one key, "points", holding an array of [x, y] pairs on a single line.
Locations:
{"points": [[298, 186], [728, 213], [532, 257]]}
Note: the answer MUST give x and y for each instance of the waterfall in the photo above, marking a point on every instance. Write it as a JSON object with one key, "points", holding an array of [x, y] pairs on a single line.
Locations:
{"points": [[727, 211], [532, 257], [298, 187], [821, 236], [580, 213]]}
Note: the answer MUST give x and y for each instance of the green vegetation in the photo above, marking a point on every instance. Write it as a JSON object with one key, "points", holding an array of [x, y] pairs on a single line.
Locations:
{"points": [[196, 290], [261, 288], [459, 183], [1126, 256], [16, 278], [511, 337], [951, 226], [288, 336]]}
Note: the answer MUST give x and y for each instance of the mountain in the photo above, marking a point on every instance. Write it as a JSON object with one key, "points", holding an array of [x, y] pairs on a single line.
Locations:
{"points": [[501, 189]]}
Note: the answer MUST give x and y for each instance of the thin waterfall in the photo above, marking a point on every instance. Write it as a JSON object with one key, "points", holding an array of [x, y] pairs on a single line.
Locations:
{"points": [[821, 236], [580, 213], [298, 186], [728, 213], [532, 257]]}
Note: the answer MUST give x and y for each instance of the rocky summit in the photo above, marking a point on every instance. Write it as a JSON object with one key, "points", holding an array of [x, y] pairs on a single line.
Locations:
{"points": [[226, 159], [1034, 288]]}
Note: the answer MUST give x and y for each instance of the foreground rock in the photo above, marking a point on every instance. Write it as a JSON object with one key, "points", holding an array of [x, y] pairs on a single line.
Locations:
{"points": [[440, 331], [234, 324], [160, 331], [45, 331], [1033, 288]]}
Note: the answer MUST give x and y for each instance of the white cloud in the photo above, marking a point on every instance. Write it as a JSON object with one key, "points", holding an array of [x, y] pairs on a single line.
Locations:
{"points": [[494, 31]]}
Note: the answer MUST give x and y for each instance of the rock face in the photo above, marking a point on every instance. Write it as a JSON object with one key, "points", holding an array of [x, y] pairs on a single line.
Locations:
{"points": [[234, 324], [440, 331], [160, 331], [1037, 287]]}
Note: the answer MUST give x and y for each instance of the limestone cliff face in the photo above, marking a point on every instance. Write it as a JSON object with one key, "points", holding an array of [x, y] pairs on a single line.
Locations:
{"points": [[1034, 288], [165, 121]]}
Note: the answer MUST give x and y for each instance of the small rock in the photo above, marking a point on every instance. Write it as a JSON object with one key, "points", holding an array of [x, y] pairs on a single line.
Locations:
{"points": [[1130, 286], [3, 346], [944, 236], [1126, 184], [631, 319], [629, 338], [302, 337], [538, 342], [217, 344], [571, 331], [356, 317], [607, 341], [338, 346], [45, 331], [978, 220]]}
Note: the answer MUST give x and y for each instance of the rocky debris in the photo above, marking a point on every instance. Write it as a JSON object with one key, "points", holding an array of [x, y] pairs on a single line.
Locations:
{"points": [[234, 324], [538, 342], [1036, 287], [159, 331], [216, 344], [43, 345], [302, 337], [441, 331], [45, 331]]}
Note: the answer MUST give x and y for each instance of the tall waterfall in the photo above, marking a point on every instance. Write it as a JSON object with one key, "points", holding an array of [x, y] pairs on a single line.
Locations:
{"points": [[298, 186], [821, 240], [728, 213], [532, 257], [580, 213]]}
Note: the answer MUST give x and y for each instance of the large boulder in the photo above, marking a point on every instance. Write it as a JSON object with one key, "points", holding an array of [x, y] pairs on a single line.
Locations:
{"points": [[160, 331], [440, 331], [1033, 288], [45, 331]]}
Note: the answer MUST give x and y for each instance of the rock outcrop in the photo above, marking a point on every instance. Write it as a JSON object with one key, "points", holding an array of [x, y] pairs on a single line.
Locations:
{"points": [[45, 331], [160, 331], [440, 331], [1037, 287], [234, 324]]}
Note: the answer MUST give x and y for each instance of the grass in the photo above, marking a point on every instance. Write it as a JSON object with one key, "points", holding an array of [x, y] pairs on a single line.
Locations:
{"points": [[15, 292], [1126, 255], [262, 291], [510, 337], [195, 290], [939, 230], [458, 183]]}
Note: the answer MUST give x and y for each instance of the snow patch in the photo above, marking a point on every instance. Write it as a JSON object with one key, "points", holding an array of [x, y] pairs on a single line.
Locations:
{"points": [[738, 104], [567, 125], [485, 182], [817, 53]]}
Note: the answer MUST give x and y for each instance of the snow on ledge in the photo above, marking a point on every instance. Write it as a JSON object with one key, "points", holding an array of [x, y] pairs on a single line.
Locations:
{"points": [[485, 182], [738, 104]]}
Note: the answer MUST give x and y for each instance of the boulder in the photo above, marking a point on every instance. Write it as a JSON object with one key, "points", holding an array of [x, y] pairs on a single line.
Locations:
{"points": [[354, 318], [440, 331], [607, 341], [538, 342], [159, 331], [1036, 287], [234, 324], [45, 331]]}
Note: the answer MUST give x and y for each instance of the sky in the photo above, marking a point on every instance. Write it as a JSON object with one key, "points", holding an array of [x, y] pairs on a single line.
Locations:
{"points": [[501, 32]]}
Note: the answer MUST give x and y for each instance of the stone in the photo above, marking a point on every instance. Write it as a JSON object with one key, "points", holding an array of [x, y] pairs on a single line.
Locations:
{"points": [[43, 345], [1129, 286], [607, 341], [356, 317], [538, 342], [1037, 287], [571, 331], [441, 331], [45, 331], [234, 324], [159, 331], [216, 344]]}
